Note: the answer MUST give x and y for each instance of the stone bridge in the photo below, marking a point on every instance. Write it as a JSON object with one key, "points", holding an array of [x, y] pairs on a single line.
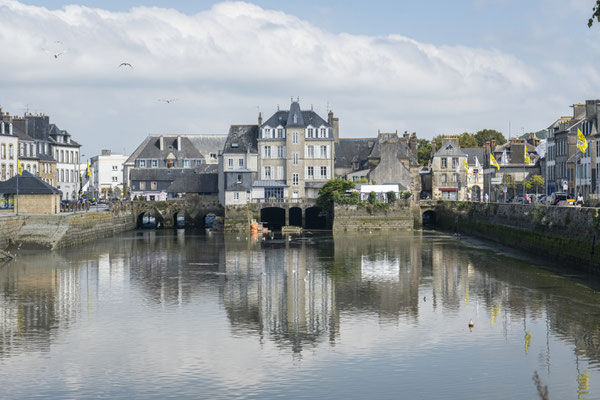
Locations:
{"points": [[193, 207]]}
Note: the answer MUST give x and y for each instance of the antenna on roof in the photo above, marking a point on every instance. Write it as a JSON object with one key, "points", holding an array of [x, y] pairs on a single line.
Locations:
{"points": [[291, 99], [311, 108], [277, 107], [298, 99]]}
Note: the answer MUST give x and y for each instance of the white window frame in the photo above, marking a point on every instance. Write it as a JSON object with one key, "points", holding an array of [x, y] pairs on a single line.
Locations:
{"points": [[323, 151], [230, 163], [295, 179], [310, 172], [241, 162], [310, 151], [295, 138], [296, 158], [236, 196], [323, 175], [142, 163]]}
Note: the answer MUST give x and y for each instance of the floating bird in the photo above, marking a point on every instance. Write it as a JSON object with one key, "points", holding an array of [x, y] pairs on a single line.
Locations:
{"points": [[471, 324], [58, 42], [168, 101], [125, 64]]}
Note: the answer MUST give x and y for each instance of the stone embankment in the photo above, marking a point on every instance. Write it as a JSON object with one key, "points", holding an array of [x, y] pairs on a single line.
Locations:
{"points": [[62, 230], [367, 218], [565, 234]]}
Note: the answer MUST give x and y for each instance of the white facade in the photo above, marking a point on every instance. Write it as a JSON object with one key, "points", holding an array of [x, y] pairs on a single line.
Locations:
{"points": [[107, 171], [67, 170], [9, 145]]}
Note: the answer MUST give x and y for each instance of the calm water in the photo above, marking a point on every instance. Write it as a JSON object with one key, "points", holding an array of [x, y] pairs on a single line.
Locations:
{"points": [[176, 315]]}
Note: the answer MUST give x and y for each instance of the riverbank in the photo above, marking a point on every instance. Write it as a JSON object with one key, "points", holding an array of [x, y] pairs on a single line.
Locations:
{"points": [[564, 234], [62, 230]]}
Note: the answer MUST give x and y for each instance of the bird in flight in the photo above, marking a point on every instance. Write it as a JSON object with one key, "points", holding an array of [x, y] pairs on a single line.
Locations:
{"points": [[125, 64], [55, 55], [168, 101]]}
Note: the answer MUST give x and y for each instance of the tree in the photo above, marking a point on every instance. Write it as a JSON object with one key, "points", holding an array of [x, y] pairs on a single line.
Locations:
{"points": [[509, 182], [391, 196], [486, 135], [372, 197], [424, 152], [467, 140], [326, 193], [538, 182], [596, 14]]}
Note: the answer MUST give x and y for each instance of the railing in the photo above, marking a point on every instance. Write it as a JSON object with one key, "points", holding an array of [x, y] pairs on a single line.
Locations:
{"points": [[284, 201]]}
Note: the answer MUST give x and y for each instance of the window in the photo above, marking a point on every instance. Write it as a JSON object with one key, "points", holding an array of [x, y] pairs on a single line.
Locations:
{"points": [[186, 163], [356, 165], [280, 151], [444, 163], [295, 158], [142, 185], [267, 133], [21, 149], [230, 162], [267, 173], [309, 133], [62, 174], [323, 133], [444, 177], [267, 152], [11, 151], [323, 172], [280, 133], [295, 137], [142, 163], [323, 151], [239, 178], [114, 179], [295, 179], [115, 168], [154, 164], [153, 185], [71, 175], [280, 174], [240, 162], [236, 196], [3, 171], [454, 177], [310, 172], [213, 156], [454, 162], [198, 162], [310, 151], [3, 151]]}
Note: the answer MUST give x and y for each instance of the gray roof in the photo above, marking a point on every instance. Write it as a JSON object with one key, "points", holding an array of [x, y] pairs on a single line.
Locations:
{"points": [[56, 131], [450, 150], [403, 150], [473, 152], [303, 118], [269, 183], [194, 183], [169, 174], [28, 184], [348, 151], [192, 146], [242, 139]]}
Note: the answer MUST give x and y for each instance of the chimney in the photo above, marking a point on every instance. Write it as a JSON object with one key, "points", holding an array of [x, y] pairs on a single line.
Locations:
{"points": [[335, 124], [161, 143], [179, 143], [433, 149], [413, 142], [405, 134], [106, 152], [259, 118]]}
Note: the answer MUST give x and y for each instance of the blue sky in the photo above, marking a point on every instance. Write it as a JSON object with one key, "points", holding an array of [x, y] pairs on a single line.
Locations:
{"points": [[431, 67]]}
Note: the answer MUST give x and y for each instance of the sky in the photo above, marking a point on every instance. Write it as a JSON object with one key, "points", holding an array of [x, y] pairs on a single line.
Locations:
{"points": [[430, 67]]}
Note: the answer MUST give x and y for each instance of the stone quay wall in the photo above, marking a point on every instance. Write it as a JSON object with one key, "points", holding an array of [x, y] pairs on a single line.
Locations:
{"points": [[237, 218], [361, 218], [569, 235], [10, 225]]}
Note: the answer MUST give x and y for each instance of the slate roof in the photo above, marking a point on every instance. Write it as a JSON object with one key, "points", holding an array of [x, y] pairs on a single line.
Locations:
{"points": [[403, 148], [28, 184], [195, 183], [192, 147], [303, 118], [348, 151], [169, 174], [242, 139], [450, 150], [56, 131], [473, 152]]}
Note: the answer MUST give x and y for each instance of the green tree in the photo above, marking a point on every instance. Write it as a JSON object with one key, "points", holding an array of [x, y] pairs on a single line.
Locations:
{"points": [[486, 135], [509, 182], [391, 196], [362, 180], [468, 140], [538, 182], [327, 191], [596, 14], [424, 152], [372, 197]]}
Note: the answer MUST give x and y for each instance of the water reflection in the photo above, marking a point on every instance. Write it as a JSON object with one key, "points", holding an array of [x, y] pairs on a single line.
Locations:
{"points": [[397, 296]]}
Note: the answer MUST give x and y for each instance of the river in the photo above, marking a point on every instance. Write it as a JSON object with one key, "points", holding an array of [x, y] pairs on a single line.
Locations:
{"points": [[174, 314]]}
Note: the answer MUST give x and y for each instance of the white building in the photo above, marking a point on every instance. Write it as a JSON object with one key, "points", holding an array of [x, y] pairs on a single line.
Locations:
{"points": [[67, 155], [107, 173], [8, 151]]}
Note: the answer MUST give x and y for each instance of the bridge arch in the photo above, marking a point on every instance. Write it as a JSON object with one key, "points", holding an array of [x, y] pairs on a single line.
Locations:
{"points": [[273, 217], [315, 218], [429, 218], [295, 216]]}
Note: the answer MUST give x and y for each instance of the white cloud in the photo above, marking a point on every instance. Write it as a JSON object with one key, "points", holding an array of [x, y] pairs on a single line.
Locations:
{"points": [[226, 61]]}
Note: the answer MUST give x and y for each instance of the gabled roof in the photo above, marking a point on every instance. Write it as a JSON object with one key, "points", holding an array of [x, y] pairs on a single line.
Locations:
{"points": [[28, 184], [303, 118], [349, 151], [192, 147], [473, 152], [242, 139], [168, 174], [450, 150]]}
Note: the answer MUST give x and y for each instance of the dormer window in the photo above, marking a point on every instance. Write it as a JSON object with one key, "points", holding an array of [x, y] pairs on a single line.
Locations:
{"points": [[295, 118], [309, 133], [267, 133], [234, 145], [323, 133]]}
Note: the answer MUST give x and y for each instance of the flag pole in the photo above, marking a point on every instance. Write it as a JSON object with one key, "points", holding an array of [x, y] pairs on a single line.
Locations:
{"points": [[17, 191]]}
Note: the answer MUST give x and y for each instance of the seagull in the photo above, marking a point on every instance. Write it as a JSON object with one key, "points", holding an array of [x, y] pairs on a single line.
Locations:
{"points": [[168, 101], [56, 55], [125, 64]]}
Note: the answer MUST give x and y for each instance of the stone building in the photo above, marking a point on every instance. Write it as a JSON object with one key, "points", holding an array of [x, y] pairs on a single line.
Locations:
{"points": [[238, 165], [28, 149], [34, 196], [449, 177], [296, 154], [159, 184]]}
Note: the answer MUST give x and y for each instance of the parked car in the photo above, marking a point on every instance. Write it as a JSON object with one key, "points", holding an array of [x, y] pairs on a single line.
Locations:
{"points": [[541, 199], [556, 197]]}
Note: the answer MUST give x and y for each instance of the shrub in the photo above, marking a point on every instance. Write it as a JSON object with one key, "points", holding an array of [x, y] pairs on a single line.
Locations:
{"points": [[391, 196], [372, 197]]}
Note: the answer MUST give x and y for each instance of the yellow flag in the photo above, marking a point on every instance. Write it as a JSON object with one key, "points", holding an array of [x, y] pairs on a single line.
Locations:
{"points": [[582, 144], [19, 168], [89, 170], [493, 162], [466, 166], [527, 159]]}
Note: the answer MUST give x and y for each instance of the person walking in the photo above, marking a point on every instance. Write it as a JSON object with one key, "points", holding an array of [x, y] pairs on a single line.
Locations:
{"points": [[580, 200], [486, 198]]}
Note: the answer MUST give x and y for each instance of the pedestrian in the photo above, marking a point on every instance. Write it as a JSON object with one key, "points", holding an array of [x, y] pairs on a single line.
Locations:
{"points": [[486, 198], [580, 200]]}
